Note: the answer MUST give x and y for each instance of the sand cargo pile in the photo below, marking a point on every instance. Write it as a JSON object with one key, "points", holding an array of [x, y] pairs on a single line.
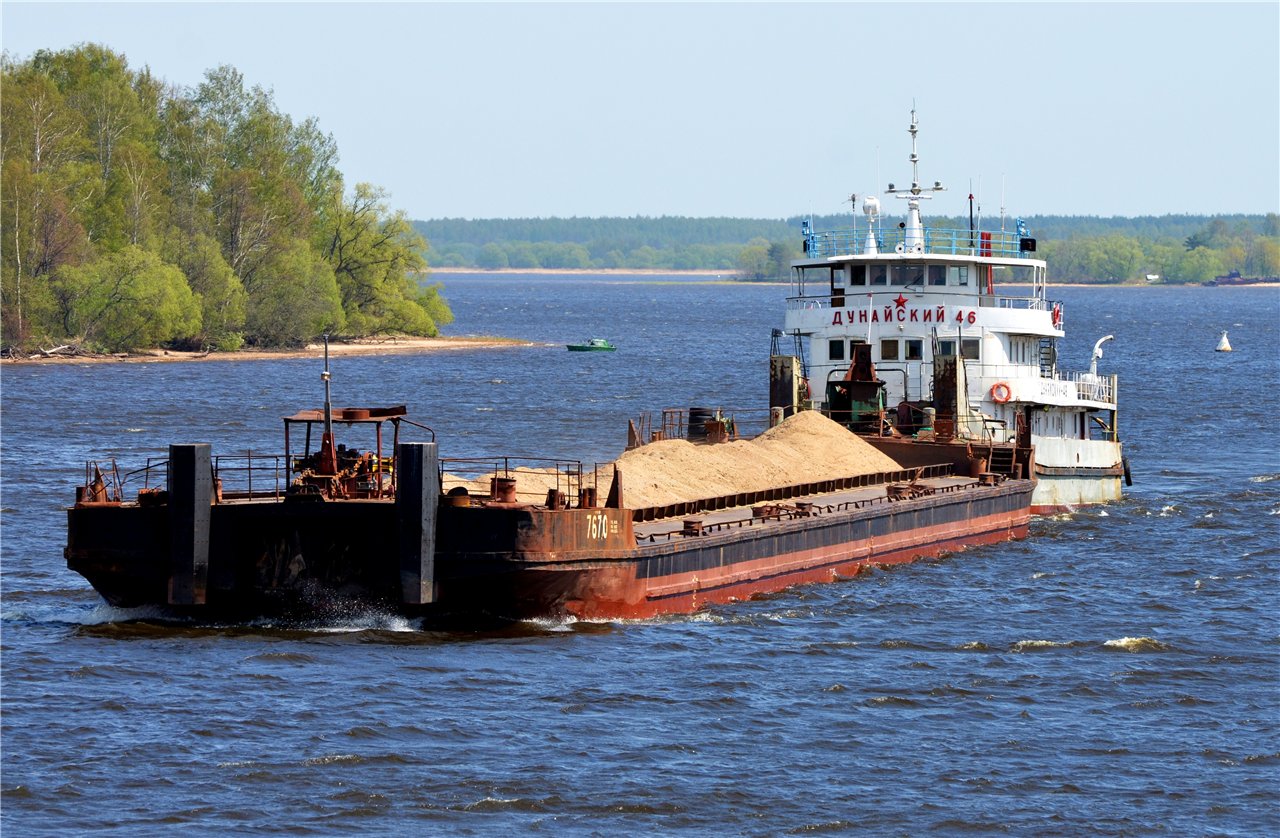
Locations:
{"points": [[805, 448]]}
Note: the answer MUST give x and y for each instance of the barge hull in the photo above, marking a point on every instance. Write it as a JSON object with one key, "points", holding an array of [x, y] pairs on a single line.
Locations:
{"points": [[520, 562]]}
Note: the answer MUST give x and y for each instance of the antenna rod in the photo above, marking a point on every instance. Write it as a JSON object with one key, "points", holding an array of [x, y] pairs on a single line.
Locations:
{"points": [[328, 405], [328, 463], [970, 214]]}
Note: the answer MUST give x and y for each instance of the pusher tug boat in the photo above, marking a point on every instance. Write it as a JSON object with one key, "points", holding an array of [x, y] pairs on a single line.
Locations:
{"points": [[234, 537], [906, 337]]}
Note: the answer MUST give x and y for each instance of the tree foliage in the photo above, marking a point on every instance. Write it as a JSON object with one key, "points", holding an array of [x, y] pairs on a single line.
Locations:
{"points": [[125, 299], [136, 213]]}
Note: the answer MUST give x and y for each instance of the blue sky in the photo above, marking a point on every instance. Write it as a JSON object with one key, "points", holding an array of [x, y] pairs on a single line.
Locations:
{"points": [[762, 110]]}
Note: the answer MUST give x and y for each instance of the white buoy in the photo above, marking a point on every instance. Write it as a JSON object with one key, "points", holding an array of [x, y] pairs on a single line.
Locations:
{"points": [[1224, 345]]}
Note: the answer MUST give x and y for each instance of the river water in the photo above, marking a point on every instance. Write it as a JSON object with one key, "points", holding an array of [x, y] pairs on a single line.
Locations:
{"points": [[1118, 672]]}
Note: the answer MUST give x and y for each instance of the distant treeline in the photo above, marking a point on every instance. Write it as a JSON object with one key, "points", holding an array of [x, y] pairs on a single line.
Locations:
{"points": [[139, 214], [1177, 248]]}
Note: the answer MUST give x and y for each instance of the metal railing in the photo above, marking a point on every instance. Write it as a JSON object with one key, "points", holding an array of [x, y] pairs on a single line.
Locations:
{"points": [[1098, 388], [565, 476], [937, 241], [235, 475]]}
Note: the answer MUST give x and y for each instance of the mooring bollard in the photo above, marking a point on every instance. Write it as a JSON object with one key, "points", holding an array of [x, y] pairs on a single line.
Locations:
{"points": [[190, 511], [417, 499]]}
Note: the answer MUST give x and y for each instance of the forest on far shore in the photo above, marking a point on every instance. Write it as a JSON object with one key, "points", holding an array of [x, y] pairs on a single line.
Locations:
{"points": [[1175, 248]]}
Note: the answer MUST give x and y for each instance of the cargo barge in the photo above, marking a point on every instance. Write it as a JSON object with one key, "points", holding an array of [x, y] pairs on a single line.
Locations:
{"points": [[232, 537]]}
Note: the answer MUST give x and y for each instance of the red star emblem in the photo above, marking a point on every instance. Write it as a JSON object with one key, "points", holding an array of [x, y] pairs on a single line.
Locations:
{"points": [[901, 302]]}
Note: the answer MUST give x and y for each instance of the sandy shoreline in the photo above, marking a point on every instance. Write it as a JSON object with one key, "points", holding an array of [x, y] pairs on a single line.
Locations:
{"points": [[366, 346]]}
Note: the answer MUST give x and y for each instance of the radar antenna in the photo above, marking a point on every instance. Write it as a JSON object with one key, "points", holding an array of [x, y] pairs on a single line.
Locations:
{"points": [[913, 240], [871, 206]]}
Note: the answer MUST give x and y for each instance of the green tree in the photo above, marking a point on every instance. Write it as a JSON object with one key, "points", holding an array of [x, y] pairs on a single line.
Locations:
{"points": [[375, 255], [125, 300], [1115, 258], [1264, 256], [492, 257], [780, 256], [522, 255], [40, 181], [220, 293], [294, 298], [753, 261], [1199, 265]]}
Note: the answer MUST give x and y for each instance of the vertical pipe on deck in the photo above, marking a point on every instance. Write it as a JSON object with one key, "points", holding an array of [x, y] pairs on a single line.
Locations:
{"points": [[417, 502], [190, 510]]}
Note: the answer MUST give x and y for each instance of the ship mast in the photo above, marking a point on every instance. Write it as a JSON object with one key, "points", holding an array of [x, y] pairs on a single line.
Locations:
{"points": [[914, 233], [328, 457]]}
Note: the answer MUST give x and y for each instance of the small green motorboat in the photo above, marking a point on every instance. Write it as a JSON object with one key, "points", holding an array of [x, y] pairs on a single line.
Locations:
{"points": [[592, 345]]}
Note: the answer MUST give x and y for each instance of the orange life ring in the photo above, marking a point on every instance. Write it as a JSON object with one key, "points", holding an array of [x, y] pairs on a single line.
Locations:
{"points": [[1001, 392], [1057, 315]]}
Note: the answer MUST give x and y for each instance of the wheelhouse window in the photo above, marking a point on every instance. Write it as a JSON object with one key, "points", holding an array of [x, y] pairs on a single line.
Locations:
{"points": [[969, 348], [958, 275], [835, 350], [815, 275], [914, 349], [857, 274], [908, 275], [889, 350], [879, 274], [937, 274]]}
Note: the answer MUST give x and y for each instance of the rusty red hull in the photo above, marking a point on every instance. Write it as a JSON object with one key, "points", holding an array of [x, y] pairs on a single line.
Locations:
{"points": [[686, 593], [688, 573]]}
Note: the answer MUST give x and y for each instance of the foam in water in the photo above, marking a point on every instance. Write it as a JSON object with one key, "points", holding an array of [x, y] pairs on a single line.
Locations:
{"points": [[372, 621], [104, 613], [1034, 645], [556, 623], [1136, 644]]}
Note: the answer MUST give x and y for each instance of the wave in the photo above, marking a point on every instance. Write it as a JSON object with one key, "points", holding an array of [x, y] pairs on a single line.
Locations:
{"points": [[1037, 645], [335, 759], [351, 623], [283, 657], [890, 701], [1136, 644], [1264, 478]]}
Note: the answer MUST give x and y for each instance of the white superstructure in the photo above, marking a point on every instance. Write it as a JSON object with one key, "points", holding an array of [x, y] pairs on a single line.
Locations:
{"points": [[914, 294]]}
